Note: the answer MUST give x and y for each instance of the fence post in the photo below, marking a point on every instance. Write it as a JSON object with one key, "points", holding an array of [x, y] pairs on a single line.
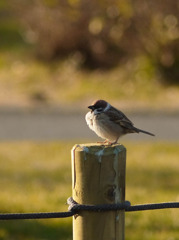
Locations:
{"points": [[98, 177]]}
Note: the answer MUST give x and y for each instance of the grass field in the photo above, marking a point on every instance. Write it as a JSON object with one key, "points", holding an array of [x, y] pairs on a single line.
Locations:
{"points": [[37, 177]]}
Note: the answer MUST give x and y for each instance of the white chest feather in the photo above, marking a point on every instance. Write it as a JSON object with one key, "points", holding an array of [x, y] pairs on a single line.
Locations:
{"points": [[100, 126], [89, 120]]}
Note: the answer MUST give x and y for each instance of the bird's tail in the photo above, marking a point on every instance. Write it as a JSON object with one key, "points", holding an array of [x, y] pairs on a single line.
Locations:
{"points": [[140, 130]]}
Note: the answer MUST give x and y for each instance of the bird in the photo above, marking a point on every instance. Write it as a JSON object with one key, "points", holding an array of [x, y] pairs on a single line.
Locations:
{"points": [[110, 123]]}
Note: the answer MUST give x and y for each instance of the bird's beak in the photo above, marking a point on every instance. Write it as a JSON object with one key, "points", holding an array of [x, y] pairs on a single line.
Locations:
{"points": [[91, 107]]}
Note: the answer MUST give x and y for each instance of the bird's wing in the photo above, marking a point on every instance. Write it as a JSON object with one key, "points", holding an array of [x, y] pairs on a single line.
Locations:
{"points": [[120, 118]]}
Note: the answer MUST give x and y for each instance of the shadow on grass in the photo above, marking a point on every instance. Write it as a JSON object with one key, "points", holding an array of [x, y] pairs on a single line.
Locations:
{"points": [[36, 229]]}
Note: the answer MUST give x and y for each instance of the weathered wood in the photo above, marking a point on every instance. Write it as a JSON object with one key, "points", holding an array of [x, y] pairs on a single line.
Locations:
{"points": [[98, 177]]}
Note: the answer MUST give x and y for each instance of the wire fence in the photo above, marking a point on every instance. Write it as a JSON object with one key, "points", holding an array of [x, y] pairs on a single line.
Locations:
{"points": [[75, 208]]}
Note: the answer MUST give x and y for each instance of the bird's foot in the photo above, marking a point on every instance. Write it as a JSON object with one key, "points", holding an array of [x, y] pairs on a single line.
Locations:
{"points": [[102, 141], [115, 142], [112, 143], [106, 142]]}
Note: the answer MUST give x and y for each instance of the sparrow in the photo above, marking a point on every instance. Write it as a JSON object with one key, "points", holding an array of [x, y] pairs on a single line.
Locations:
{"points": [[109, 123]]}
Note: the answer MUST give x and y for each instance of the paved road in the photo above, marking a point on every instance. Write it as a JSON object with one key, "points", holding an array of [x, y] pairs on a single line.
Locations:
{"points": [[54, 125]]}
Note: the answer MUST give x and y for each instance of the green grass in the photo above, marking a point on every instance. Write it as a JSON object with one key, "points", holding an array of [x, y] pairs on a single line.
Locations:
{"points": [[36, 177], [152, 176]]}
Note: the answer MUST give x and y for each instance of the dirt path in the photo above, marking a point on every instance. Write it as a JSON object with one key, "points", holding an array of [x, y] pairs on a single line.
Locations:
{"points": [[53, 125]]}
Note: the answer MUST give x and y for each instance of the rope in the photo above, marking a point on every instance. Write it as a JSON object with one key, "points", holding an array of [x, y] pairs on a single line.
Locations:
{"points": [[152, 206], [75, 208], [20, 216]]}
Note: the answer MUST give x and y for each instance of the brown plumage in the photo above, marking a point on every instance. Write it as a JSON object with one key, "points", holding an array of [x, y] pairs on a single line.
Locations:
{"points": [[110, 123]]}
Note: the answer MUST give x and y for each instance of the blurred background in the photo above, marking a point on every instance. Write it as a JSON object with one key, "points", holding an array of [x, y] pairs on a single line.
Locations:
{"points": [[56, 57]]}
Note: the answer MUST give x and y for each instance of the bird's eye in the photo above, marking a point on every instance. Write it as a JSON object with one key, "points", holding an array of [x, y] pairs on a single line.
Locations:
{"points": [[99, 109]]}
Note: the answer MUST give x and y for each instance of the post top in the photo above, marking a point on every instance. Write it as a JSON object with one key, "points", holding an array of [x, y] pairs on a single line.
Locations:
{"points": [[96, 147]]}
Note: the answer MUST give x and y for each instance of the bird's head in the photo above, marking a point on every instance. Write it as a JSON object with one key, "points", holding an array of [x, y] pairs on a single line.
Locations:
{"points": [[99, 106]]}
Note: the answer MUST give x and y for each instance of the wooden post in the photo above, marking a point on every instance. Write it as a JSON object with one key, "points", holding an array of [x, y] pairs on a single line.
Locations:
{"points": [[98, 177]]}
